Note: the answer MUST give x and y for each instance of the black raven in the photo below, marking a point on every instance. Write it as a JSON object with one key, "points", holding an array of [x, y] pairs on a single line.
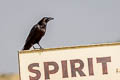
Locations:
{"points": [[36, 33]]}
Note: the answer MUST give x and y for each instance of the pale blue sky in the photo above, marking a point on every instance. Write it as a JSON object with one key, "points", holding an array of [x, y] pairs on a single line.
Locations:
{"points": [[77, 22]]}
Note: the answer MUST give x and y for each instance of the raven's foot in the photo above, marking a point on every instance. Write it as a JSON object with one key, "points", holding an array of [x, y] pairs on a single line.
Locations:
{"points": [[40, 46], [34, 47]]}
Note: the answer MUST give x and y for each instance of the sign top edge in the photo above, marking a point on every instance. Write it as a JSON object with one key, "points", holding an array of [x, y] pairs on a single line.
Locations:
{"points": [[65, 48]]}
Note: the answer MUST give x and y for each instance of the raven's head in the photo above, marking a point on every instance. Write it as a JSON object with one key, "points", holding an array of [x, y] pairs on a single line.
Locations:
{"points": [[45, 20]]}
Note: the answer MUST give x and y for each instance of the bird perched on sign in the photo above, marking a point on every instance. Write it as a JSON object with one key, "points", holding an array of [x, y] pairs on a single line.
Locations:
{"points": [[36, 33]]}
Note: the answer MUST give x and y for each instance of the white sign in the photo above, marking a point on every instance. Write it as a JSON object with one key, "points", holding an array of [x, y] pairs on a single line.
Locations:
{"points": [[93, 62]]}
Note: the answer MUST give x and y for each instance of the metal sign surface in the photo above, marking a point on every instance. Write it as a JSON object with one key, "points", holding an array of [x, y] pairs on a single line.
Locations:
{"points": [[93, 62]]}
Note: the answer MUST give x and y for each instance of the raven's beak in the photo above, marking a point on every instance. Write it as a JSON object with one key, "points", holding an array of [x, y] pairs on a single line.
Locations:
{"points": [[50, 18]]}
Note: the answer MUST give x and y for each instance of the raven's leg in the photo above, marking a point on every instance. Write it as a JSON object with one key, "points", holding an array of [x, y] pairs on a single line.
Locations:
{"points": [[40, 46], [34, 47]]}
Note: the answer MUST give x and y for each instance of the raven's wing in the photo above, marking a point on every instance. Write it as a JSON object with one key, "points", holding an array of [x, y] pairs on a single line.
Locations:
{"points": [[31, 34]]}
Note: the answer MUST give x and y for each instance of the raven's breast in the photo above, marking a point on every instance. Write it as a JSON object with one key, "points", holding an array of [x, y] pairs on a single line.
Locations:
{"points": [[39, 34]]}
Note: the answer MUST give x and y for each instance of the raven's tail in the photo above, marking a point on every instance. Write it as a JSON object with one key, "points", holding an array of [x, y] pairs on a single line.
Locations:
{"points": [[27, 46]]}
